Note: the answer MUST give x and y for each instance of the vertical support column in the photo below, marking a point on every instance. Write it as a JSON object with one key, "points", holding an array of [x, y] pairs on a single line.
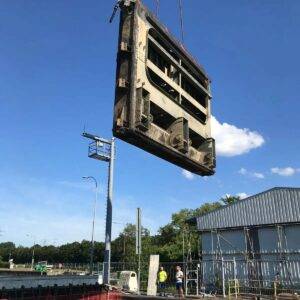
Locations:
{"points": [[184, 267], [93, 229], [197, 283], [107, 253], [152, 275], [139, 245], [234, 276], [212, 255], [223, 278], [32, 259]]}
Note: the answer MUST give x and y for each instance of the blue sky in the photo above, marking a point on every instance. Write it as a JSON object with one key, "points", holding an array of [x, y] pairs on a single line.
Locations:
{"points": [[57, 62]]}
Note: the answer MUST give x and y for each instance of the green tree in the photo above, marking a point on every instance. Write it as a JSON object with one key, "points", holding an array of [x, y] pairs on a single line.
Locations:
{"points": [[180, 235], [228, 199], [6, 250], [123, 247], [168, 242], [206, 208]]}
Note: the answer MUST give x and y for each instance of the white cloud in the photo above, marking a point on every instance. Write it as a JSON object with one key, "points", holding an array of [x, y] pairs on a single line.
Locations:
{"points": [[258, 175], [242, 195], [288, 171], [245, 172], [188, 175], [232, 141]]}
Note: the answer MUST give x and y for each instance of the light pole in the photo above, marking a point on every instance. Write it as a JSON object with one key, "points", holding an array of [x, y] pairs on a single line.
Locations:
{"points": [[93, 223], [102, 149], [32, 257], [138, 243]]}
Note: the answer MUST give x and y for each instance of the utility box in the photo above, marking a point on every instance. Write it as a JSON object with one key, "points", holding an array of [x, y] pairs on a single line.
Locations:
{"points": [[162, 95]]}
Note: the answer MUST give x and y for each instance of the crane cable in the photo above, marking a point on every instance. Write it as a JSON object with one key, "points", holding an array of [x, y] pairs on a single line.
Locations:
{"points": [[180, 17], [181, 20], [157, 8]]}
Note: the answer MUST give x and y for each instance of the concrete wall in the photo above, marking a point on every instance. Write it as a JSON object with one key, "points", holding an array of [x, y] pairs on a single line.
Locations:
{"points": [[17, 282]]}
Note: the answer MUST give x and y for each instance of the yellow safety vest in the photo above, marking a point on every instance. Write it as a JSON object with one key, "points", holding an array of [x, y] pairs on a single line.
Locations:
{"points": [[162, 276]]}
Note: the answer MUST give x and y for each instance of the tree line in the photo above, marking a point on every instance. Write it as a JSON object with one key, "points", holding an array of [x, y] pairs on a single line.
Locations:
{"points": [[168, 242]]}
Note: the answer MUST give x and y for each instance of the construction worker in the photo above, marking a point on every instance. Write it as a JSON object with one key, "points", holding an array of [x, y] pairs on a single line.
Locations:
{"points": [[179, 282], [162, 278]]}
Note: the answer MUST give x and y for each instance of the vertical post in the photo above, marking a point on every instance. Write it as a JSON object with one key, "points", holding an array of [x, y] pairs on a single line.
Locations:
{"points": [[212, 255], [275, 289], [234, 277], [223, 278], [32, 258], [235, 288], [93, 224], [107, 253], [197, 286], [183, 250], [183, 263], [139, 244]]}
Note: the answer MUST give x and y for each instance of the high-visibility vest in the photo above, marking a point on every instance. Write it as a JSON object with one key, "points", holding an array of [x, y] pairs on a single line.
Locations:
{"points": [[162, 276]]}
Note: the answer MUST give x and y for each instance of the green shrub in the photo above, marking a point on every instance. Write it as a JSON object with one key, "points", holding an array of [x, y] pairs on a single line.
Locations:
{"points": [[4, 264]]}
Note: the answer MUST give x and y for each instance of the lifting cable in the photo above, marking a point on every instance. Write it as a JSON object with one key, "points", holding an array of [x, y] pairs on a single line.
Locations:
{"points": [[157, 8], [180, 6], [181, 20]]}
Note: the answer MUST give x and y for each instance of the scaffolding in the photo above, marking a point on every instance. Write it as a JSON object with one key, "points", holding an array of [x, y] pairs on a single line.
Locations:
{"points": [[282, 258], [192, 268]]}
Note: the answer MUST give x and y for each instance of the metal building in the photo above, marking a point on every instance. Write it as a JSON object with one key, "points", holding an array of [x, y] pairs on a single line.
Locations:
{"points": [[254, 239]]}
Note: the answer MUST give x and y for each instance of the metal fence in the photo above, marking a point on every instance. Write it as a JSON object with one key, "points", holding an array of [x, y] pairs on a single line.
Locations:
{"points": [[214, 276], [264, 270], [263, 288], [169, 267], [253, 277]]}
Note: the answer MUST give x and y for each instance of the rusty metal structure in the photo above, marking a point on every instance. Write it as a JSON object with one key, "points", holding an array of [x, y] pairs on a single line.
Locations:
{"points": [[162, 95]]}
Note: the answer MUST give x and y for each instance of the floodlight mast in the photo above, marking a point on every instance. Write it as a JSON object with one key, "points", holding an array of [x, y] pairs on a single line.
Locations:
{"points": [[95, 137], [102, 149]]}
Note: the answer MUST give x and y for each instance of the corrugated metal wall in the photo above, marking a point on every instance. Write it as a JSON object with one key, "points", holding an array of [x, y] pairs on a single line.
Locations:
{"points": [[278, 205], [230, 242], [278, 254]]}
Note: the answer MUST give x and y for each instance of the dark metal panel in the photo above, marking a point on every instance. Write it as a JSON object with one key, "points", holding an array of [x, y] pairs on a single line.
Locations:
{"points": [[268, 239]]}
